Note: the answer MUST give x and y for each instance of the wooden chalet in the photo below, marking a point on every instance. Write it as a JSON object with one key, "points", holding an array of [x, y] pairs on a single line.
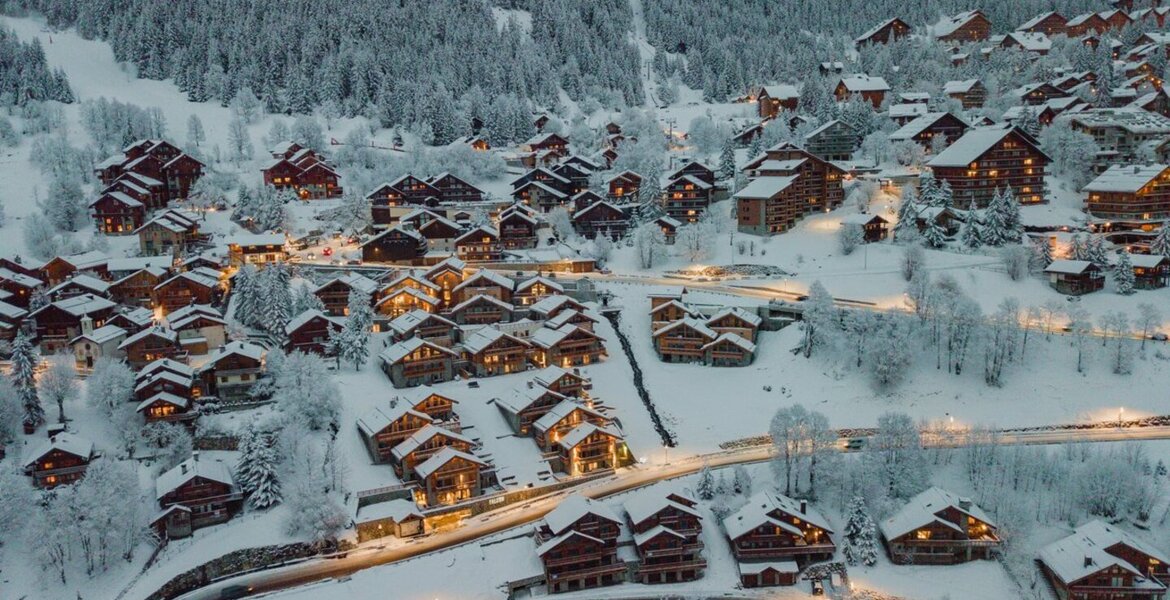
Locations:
{"points": [[1035, 44], [871, 89], [132, 320], [1085, 24], [989, 158], [423, 444], [195, 493], [943, 216], [622, 187], [1102, 562], [256, 249], [566, 346], [334, 294], [769, 205], [11, 319], [697, 170], [480, 244], [449, 476], [156, 160], [19, 286], [490, 351], [668, 312], [1036, 94], [563, 381], [483, 282], [137, 288], [232, 371], [396, 244], [600, 218], [447, 274], [577, 545], [577, 175], [1150, 271], [834, 140], [416, 361], [667, 536], [729, 350], [736, 320], [669, 226], [937, 527], [532, 290], [771, 99], [550, 307], [524, 406], [590, 448], [440, 233], [452, 189], [201, 328], [885, 32], [562, 418], [963, 28], [165, 407], [167, 233], [1049, 23], [874, 228], [59, 460], [482, 310], [425, 325], [687, 198], [309, 332], [1116, 19], [926, 129], [382, 429], [303, 171], [547, 142], [540, 196], [59, 322], [1075, 277], [152, 344], [517, 229], [116, 213], [1130, 192], [585, 199], [199, 286], [774, 527], [683, 341], [970, 92], [78, 285], [60, 268]]}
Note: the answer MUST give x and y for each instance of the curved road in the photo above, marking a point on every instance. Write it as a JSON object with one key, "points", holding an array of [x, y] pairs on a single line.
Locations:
{"points": [[372, 555]]}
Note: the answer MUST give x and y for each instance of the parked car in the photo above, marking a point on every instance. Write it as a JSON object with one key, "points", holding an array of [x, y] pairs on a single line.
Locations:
{"points": [[232, 592], [818, 588], [1158, 336]]}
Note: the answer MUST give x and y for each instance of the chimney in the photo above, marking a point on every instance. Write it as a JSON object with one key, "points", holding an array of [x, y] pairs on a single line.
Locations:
{"points": [[183, 468], [86, 325], [195, 456], [1135, 169], [804, 507], [530, 384], [1088, 561], [965, 503], [576, 370]]}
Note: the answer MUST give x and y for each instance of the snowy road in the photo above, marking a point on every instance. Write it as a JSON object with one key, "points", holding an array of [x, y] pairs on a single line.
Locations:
{"points": [[373, 555]]}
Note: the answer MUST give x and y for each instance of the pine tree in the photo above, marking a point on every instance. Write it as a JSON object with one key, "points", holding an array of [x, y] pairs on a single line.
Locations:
{"points": [[705, 488], [934, 236], [907, 215], [867, 544], [727, 160], [247, 291], [1123, 276], [1012, 221], [276, 295], [970, 236], [1043, 252], [994, 229], [928, 189], [24, 363], [1078, 249], [1161, 244], [256, 469], [756, 148], [1096, 251]]}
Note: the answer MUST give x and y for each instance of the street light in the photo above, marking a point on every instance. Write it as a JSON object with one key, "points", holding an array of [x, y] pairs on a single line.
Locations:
{"points": [[1120, 415]]}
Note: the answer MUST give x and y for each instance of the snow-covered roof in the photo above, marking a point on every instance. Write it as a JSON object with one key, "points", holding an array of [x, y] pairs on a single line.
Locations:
{"points": [[409, 291], [566, 316], [948, 25], [355, 281], [588, 209], [959, 87], [861, 82], [1034, 21], [377, 419], [908, 110], [549, 304], [563, 409], [694, 324], [752, 318], [240, 348], [101, 335], [194, 276], [399, 280], [764, 188], [520, 398], [733, 338], [480, 298], [1146, 261], [653, 532], [420, 437], [758, 508], [159, 332], [397, 510], [167, 397], [972, 145], [164, 365], [861, 219], [923, 509], [1131, 119], [194, 314], [548, 283], [19, 278], [485, 337], [1085, 552], [442, 457], [307, 316], [573, 509], [120, 197], [81, 305], [480, 230], [450, 262], [917, 126], [256, 239], [402, 349], [88, 282], [876, 28], [782, 91], [547, 337], [1068, 267], [780, 566], [555, 541], [646, 504], [543, 187], [65, 442], [407, 322], [213, 470], [1125, 178], [1030, 41], [484, 277]]}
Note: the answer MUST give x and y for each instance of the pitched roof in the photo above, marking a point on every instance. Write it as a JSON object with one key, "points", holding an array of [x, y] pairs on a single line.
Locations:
{"points": [[972, 145], [876, 28], [402, 349], [784, 91], [653, 532], [733, 338], [101, 335], [923, 509], [1036, 20], [756, 513], [521, 398], [479, 298], [407, 322], [948, 25], [563, 409], [959, 87], [167, 397], [88, 282], [763, 188], [213, 470], [65, 442], [861, 82], [442, 457], [421, 436], [573, 509], [1125, 178], [549, 283], [483, 276], [1068, 267], [307, 316], [157, 331], [80, 305], [918, 125], [1084, 553], [553, 542], [646, 504], [378, 419], [695, 324], [239, 348]]}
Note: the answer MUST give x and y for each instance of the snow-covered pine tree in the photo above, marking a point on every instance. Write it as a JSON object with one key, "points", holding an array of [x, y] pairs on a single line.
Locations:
{"points": [[934, 236], [969, 234], [907, 215], [1042, 251], [994, 230], [928, 189], [867, 544], [266, 490], [705, 488], [756, 148], [1161, 243], [946, 196], [276, 295], [1012, 221], [1078, 249], [727, 159], [24, 363], [245, 471], [857, 519], [246, 291], [1096, 251], [1123, 276], [304, 299]]}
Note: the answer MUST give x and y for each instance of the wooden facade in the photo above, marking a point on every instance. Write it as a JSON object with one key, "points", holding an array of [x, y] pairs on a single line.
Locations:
{"points": [[939, 528], [987, 159]]}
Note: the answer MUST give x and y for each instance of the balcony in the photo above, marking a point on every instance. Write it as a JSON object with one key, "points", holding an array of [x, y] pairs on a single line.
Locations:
{"points": [[598, 571], [785, 551], [698, 563]]}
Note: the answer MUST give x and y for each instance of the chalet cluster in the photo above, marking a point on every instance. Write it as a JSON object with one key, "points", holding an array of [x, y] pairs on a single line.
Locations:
{"points": [[413, 192], [584, 544], [303, 171], [147, 176], [567, 424], [683, 334], [425, 232], [787, 183], [420, 435]]}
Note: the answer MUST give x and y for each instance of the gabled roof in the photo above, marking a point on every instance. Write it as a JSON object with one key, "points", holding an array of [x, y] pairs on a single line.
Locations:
{"points": [[1030, 41], [402, 349], [80, 305], [1085, 552], [547, 337], [309, 315], [213, 470], [918, 125], [193, 313], [65, 442], [396, 229], [1125, 178], [566, 316], [1036, 20], [676, 304], [355, 281], [695, 324], [960, 87], [752, 318], [238, 348], [407, 322], [861, 82], [378, 419], [88, 282], [487, 336], [550, 375], [764, 188], [484, 277], [653, 532], [450, 262], [421, 436], [480, 298], [646, 504], [923, 509], [551, 303], [573, 509], [101, 335], [876, 28], [409, 291], [583, 431], [733, 338], [167, 397], [561, 410], [1068, 267], [783, 91], [758, 508], [543, 187], [553, 542], [974, 144], [119, 197], [594, 206], [442, 457], [158, 332], [480, 230], [164, 365], [523, 397], [527, 283], [948, 25]]}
